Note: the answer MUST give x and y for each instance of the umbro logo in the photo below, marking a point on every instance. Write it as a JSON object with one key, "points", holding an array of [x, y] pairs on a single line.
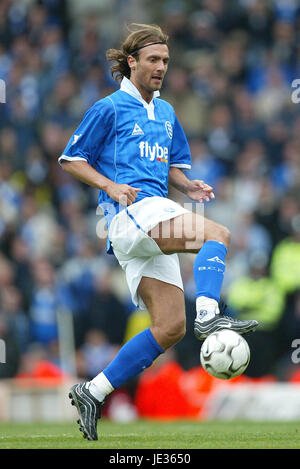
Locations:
{"points": [[137, 130]]}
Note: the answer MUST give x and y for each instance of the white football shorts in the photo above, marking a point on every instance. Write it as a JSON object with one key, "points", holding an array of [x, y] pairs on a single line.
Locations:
{"points": [[137, 253]]}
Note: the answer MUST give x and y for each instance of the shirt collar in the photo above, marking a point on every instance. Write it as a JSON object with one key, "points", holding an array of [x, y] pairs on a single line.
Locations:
{"points": [[128, 87]]}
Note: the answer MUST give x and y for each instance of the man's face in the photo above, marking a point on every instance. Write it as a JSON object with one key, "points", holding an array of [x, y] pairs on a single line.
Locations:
{"points": [[147, 73]]}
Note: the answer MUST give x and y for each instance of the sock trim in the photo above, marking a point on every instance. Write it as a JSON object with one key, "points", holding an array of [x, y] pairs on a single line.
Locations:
{"points": [[151, 338], [219, 242]]}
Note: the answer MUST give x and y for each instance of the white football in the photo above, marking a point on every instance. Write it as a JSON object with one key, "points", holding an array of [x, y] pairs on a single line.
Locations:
{"points": [[225, 354]]}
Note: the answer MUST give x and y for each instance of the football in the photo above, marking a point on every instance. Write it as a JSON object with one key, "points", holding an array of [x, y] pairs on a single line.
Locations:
{"points": [[225, 354]]}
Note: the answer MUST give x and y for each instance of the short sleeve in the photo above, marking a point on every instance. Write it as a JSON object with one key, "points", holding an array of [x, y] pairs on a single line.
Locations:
{"points": [[87, 140], [180, 151]]}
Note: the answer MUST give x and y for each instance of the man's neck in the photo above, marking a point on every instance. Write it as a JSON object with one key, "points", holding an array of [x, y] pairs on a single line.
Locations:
{"points": [[129, 87], [146, 95]]}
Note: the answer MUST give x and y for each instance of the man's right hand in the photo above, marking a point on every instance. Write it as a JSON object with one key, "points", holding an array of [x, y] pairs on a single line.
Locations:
{"points": [[122, 193]]}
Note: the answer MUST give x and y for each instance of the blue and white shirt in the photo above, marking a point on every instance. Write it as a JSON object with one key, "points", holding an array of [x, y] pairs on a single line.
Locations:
{"points": [[130, 142]]}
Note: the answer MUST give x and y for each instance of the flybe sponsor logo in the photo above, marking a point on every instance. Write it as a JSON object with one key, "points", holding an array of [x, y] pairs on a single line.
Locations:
{"points": [[154, 152]]}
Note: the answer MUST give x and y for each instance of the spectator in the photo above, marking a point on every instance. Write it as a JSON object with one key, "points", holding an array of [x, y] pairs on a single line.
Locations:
{"points": [[107, 312], [44, 304], [17, 320], [95, 353], [12, 351]]}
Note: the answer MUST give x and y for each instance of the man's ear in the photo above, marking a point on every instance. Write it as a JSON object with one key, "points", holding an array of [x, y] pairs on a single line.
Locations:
{"points": [[131, 62]]}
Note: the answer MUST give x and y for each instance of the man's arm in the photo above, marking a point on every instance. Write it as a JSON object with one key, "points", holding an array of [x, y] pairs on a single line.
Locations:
{"points": [[178, 179], [83, 171], [195, 190]]}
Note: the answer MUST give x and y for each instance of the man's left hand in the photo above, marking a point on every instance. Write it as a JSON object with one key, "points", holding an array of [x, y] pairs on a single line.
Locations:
{"points": [[198, 190]]}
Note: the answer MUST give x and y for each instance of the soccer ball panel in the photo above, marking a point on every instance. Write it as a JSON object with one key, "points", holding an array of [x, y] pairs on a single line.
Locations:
{"points": [[225, 354]]}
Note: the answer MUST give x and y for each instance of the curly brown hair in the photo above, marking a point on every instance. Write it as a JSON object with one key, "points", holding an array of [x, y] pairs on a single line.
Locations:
{"points": [[140, 35]]}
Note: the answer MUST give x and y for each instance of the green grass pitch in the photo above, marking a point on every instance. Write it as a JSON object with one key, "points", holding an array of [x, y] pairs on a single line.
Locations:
{"points": [[143, 434]]}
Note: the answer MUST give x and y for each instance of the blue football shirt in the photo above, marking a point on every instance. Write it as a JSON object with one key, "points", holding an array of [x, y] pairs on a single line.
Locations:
{"points": [[130, 142]]}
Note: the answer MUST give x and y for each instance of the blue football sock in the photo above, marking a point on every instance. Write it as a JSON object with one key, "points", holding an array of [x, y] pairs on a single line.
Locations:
{"points": [[209, 268], [136, 355]]}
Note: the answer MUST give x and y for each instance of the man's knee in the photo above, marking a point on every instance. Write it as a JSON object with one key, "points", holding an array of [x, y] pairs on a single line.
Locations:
{"points": [[166, 307], [218, 232], [225, 234]]}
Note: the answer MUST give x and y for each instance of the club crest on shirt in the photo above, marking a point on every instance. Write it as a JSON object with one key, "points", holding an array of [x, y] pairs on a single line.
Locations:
{"points": [[169, 129]]}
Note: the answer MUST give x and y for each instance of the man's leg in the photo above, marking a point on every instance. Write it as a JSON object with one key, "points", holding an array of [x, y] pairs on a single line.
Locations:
{"points": [[166, 307], [194, 233], [188, 233], [165, 304]]}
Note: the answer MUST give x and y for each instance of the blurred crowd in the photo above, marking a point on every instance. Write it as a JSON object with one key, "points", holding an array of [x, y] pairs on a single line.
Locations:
{"points": [[230, 82]]}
